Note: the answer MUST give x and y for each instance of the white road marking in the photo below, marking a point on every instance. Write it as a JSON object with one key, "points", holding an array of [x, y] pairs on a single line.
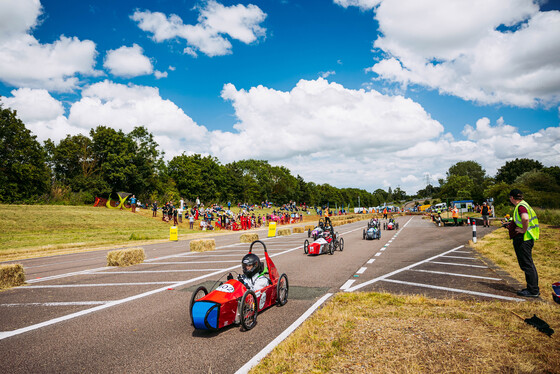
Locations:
{"points": [[371, 261], [266, 350], [460, 257], [101, 285], [371, 281], [455, 264], [188, 262], [153, 271], [348, 283], [70, 303], [454, 290], [382, 249], [463, 252], [378, 254], [361, 270], [456, 274]]}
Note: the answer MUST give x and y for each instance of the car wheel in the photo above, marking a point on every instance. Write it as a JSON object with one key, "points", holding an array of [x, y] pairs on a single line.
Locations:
{"points": [[331, 248], [306, 247], [282, 290], [249, 310], [397, 226], [341, 244], [198, 294], [364, 236], [309, 233]]}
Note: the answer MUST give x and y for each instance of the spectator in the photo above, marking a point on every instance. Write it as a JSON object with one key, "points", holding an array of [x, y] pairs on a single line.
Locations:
{"points": [[133, 203], [191, 222], [154, 209], [485, 213], [524, 230]]}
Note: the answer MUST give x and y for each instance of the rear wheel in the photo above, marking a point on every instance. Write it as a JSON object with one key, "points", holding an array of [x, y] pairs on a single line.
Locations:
{"points": [[309, 233], [331, 248], [341, 245], [397, 226], [198, 294], [249, 310], [306, 246], [364, 235], [282, 290]]}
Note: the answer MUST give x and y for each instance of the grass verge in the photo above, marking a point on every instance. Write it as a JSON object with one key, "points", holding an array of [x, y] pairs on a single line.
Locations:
{"points": [[383, 333]]}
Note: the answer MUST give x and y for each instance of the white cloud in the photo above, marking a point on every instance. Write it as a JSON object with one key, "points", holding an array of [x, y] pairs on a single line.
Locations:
{"points": [[215, 21], [159, 74], [326, 74], [456, 47], [18, 16], [125, 107], [34, 105], [362, 4], [128, 62], [24, 62]]}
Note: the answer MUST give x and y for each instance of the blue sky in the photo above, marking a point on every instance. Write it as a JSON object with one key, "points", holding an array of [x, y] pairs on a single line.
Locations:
{"points": [[354, 93]]}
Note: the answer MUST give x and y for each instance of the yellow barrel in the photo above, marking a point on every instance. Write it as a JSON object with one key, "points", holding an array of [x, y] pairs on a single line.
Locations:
{"points": [[272, 229], [173, 234]]}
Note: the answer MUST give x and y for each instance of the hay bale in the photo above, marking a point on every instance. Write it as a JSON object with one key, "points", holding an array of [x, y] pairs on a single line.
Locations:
{"points": [[284, 232], [203, 245], [11, 275], [248, 238], [309, 227], [125, 257], [298, 230]]}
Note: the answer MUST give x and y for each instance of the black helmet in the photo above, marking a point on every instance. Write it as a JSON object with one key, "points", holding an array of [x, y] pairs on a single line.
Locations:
{"points": [[251, 265]]}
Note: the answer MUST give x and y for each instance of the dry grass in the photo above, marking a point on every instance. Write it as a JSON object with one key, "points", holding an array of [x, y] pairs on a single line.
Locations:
{"points": [[11, 275], [248, 238], [203, 245], [298, 230], [284, 232], [125, 257], [382, 333], [497, 247]]}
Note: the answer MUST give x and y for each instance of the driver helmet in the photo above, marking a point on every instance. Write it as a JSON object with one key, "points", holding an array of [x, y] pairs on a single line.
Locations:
{"points": [[251, 265]]}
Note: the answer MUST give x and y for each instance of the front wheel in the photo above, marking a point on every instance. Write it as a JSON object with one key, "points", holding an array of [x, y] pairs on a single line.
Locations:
{"points": [[249, 310], [397, 226], [198, 294], [331, 248], [309, 233], [341, 245], [364, 235], [282, 290], [306, 246]]}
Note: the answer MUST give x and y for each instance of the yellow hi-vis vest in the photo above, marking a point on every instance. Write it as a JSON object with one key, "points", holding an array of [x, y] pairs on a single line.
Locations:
{"points": [[533, 229]]}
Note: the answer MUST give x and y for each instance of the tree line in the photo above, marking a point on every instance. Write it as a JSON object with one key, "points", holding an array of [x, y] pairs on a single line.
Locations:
{"points": [[80, 168]]}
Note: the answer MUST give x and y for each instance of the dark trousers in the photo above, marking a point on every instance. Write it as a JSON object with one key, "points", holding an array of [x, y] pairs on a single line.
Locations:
{"points": [[524, 253]]}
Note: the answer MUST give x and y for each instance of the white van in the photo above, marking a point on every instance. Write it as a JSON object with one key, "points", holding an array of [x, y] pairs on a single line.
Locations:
{"points": [[442, 206]]}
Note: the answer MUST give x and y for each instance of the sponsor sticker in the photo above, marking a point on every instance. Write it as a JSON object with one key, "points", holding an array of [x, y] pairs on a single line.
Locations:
{"points": [[226, 287]]}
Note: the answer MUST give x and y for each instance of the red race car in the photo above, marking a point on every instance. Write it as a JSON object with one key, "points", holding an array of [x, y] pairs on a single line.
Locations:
{"points": [[391, 225], [234, 303], [327, 242]]}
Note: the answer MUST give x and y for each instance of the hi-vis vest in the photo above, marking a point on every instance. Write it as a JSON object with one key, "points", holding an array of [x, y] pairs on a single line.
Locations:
{"points": [[533, 229]]}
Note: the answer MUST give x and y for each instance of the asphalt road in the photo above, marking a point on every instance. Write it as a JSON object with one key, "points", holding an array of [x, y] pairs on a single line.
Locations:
{"points": [[77, 315]]}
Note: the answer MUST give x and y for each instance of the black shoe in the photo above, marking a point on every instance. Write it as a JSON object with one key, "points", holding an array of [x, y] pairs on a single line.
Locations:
{"points": [[527, 293]]}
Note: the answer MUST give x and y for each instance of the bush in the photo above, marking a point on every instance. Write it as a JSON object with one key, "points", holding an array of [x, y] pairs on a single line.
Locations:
{"points": [[549, 217]]}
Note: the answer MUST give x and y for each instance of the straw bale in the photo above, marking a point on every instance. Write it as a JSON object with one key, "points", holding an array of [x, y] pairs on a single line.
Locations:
{"points": [[125, 257], [248, 238], [298, 230], [309, 227], [284, 232], [203, 245], [11, 275]]}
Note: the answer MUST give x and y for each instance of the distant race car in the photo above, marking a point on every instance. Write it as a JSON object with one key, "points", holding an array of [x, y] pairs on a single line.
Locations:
{"points": [[391, 225], [372, 232], [234, 303], [327, 242], [317, 231]]}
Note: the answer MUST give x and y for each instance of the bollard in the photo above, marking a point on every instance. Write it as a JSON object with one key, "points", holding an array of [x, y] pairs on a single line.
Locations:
{"points": [[173, 234], [474, 231]]}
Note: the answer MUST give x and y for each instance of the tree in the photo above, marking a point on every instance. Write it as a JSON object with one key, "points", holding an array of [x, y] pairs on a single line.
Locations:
{"points": [[457, 187], [198, 176], [513, 169], [474, 172], [24, 173]]}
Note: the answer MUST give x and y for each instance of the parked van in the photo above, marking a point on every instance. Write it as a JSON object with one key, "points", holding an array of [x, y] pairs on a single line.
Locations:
{"points": [[442, 206]]}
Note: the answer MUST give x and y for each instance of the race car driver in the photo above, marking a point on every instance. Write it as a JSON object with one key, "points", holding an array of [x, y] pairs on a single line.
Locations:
{"points": [[255, 274]]}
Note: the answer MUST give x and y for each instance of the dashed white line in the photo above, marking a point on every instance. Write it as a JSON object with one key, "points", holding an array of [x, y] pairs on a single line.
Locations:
{"points": [[70, 303], [371, 261], [461, 257], [378, 254], [361, 270], [101, 285]]}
